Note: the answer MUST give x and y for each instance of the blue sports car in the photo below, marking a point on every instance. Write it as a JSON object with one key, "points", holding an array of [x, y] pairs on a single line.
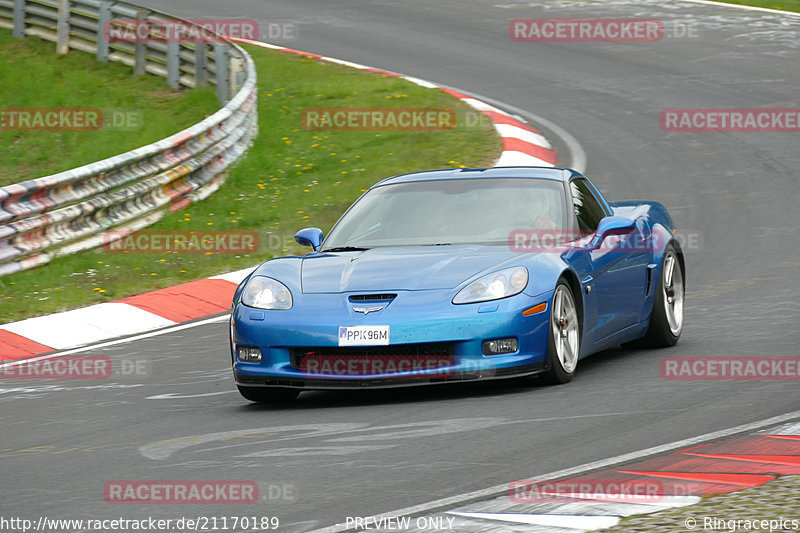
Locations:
{"points": [[458, 275]]}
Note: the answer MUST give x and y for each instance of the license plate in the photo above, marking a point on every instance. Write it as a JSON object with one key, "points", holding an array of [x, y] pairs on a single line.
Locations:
{"points": [[363, 335]]}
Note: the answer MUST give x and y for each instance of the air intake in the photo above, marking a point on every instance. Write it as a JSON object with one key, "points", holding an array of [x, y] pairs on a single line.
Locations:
{"points": [[372, 297]]}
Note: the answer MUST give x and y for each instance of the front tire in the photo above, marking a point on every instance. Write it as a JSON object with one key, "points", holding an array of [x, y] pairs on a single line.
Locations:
{"points": [[666, 320], [564, 336], [268, 395]]}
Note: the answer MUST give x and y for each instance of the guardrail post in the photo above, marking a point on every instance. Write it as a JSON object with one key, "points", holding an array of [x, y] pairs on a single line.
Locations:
{"points": [[19, 18], [103, 30], [173, 64], [140, 48], [223, 72], [62, 27], [200, 73], [237, 73]]}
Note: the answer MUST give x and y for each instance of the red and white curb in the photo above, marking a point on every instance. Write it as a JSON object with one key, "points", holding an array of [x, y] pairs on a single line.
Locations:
{"points": [[682, 477], [523, 145], [716, 463], [129, 316]]}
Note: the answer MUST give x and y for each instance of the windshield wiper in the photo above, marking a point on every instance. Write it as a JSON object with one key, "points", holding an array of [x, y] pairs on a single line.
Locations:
{"points": [[345, 249]]}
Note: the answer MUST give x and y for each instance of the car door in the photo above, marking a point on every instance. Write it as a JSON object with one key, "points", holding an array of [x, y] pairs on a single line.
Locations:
{"points": [[617, 267]]}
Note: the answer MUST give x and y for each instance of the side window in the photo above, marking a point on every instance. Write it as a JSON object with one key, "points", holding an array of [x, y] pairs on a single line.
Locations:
{"points": [[587, 208]]}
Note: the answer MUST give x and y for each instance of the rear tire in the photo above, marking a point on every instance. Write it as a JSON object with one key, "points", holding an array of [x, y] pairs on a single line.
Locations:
{"points": [[268, 395], [563, 338], [666, 320]]}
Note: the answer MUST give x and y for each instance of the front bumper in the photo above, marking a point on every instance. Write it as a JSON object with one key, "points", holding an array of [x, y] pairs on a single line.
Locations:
{"points": [[414, 318]]}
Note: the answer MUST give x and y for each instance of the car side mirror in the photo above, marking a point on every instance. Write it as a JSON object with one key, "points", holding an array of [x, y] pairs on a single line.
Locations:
{"points": [[612, 226], [309, 237]]}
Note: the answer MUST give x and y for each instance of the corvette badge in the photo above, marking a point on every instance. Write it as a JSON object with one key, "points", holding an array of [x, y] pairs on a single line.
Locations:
{"points": [[366, 310]]}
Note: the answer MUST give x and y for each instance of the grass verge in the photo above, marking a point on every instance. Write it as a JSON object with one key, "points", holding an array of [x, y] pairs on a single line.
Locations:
{"points": [[289, 179]]}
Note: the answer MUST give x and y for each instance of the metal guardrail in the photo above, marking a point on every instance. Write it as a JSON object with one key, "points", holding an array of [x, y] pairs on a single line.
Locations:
{"points": [[84, 207]]}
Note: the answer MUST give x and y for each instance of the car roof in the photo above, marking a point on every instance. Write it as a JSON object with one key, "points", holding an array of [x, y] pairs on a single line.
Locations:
{"points": [[548, 173]]}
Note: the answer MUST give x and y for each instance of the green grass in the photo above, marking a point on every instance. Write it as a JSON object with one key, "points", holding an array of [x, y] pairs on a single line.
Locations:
{"points": [[785, 5], [33, 76], [291, 178]]}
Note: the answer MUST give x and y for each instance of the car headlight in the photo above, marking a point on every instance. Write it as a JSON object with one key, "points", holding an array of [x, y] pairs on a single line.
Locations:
{"points": [[266, 293], [494, 286]]}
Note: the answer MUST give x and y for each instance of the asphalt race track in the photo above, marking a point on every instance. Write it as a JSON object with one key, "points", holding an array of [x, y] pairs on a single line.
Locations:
{"points": [[333, 455]]}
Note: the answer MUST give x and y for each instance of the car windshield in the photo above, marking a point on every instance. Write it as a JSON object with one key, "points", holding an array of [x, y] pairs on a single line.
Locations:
{"points": [[457, 211]]}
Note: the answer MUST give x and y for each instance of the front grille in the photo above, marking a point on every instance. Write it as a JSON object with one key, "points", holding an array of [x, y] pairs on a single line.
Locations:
{"points": [[411, 352], [424, 349]]}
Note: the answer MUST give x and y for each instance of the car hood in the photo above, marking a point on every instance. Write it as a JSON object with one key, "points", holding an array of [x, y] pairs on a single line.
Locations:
{"points": [[399, 268]]}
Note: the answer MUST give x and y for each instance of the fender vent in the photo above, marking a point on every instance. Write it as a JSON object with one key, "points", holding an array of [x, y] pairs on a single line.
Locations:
{"points": [[651, 268]]}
